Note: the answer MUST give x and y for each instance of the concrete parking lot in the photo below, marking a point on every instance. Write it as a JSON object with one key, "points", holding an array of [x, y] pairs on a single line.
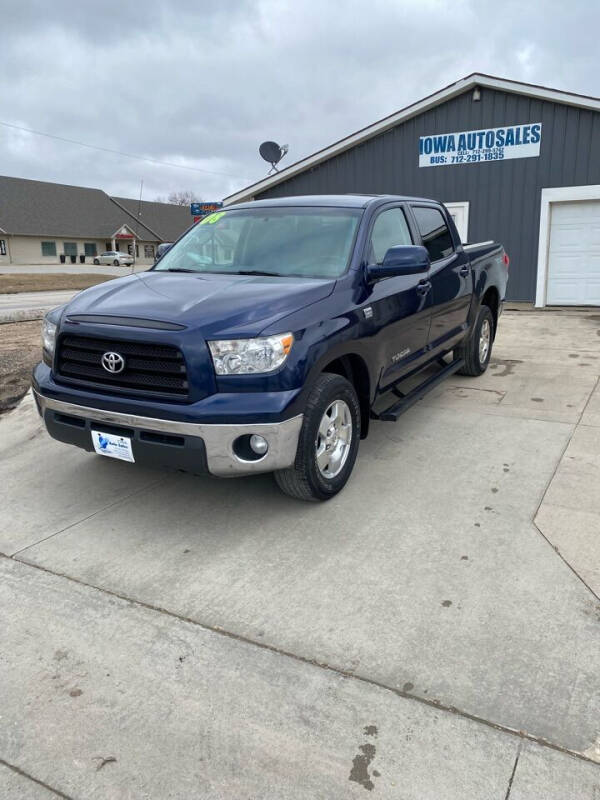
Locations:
{"points": [[433, 632]]}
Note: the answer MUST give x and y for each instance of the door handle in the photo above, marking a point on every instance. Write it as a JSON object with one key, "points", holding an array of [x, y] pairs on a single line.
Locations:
{"points": [[423, 287], [464, 270]]}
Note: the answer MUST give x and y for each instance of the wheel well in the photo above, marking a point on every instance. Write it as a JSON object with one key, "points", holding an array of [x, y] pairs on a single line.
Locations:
{"points": [[354, 369], [491, 299]]}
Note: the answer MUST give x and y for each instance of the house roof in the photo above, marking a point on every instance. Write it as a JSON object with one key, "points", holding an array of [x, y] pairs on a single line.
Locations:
{"points": [[441, 96], [167, 220], [39, 208]]}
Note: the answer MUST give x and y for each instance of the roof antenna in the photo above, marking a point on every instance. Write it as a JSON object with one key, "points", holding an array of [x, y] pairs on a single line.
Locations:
{"points": [[272, 154]]}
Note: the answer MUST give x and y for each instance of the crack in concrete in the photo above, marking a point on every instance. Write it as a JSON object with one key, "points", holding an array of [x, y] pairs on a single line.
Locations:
{"points": [[431, 703], [89, 516], [537, 511], [512, 774], [23, 774]]}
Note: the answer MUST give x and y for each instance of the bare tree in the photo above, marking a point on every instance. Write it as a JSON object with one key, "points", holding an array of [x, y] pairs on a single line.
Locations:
{"points": [[180, 198]]}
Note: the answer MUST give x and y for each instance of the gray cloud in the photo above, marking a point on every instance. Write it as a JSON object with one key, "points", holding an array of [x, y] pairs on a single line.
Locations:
{"points": [[202, 85]]}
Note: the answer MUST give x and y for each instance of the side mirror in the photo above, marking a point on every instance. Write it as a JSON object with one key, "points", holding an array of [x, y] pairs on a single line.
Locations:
{"points": [[400, 260]]}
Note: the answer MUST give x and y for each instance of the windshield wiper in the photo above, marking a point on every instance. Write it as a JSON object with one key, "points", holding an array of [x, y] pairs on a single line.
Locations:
{"points": [[257, 272], [177, 269]]}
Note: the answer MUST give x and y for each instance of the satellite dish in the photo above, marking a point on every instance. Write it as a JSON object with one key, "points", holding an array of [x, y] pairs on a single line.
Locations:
{"points": [[272, 154]]}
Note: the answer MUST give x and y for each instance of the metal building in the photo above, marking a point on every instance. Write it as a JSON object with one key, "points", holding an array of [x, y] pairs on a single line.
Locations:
{"points": [[513, 162]]}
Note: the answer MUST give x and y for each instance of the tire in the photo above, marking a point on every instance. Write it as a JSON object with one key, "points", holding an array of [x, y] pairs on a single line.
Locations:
{"points": [[322, 468], [473, 349], [116, 263], [96, 261]]}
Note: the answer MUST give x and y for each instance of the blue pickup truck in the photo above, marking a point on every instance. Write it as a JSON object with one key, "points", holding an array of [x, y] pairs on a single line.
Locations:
{"points": [[270, 335]]}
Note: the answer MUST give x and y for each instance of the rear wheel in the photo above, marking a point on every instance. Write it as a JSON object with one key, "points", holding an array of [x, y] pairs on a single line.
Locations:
{"points": [[116, 262], [476, 350], [328, 442]]}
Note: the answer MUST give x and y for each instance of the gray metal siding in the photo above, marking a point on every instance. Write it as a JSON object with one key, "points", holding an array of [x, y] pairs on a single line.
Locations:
{"points": [[504, 196]]}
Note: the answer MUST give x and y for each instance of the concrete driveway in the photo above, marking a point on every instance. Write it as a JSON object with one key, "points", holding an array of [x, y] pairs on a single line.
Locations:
{"points": [[431, 633]]}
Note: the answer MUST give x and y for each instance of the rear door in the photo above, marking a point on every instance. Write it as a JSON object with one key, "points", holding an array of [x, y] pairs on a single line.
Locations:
{"points": [[450, 277], [400, 306]]}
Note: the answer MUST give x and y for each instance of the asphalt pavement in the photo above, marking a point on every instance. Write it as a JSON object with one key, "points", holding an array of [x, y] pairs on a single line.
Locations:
{"points": [[432, 632]]}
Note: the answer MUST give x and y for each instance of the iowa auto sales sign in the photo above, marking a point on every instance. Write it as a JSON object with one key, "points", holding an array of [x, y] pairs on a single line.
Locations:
{"points": [[487, 144]]}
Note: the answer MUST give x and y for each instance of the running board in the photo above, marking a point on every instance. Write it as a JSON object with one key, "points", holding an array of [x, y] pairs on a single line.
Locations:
{"points": [[392, 413]]}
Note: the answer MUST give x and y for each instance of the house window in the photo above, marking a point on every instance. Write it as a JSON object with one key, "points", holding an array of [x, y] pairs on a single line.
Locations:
{"points": [[49, 248], [70, 248], [148, 251], [2, 247], [90, 249], [108, 247]]}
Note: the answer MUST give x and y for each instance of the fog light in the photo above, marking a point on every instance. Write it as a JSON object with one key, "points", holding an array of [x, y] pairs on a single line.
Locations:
{"points": [[258, 444]]}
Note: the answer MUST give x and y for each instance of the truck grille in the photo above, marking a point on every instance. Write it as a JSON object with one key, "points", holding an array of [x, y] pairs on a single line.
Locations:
{"points": [[149, 368]]}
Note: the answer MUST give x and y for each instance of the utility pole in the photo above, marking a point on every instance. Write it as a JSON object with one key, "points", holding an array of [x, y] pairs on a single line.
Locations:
{"points": [[137, 224]]}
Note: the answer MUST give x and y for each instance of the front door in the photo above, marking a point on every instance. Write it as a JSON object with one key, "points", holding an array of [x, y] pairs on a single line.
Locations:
{"points": [[450, 277], [400, 309]]}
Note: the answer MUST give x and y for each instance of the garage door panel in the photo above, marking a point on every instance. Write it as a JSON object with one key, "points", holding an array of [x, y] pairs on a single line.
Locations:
{"points": [[595, 236], [567, 237], [592, 292], [574, 254], [564, 293]]}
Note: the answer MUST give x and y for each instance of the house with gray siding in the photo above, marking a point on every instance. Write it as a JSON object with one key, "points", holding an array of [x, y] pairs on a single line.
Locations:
{"points": [[513, 162]]}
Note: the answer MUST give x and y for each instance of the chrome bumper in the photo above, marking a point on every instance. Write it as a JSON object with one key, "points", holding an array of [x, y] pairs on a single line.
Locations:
{"points": [[282, 437]]}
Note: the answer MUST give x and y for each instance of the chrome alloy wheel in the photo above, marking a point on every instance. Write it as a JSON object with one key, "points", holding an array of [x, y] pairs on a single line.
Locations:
{"points": [[485, 339], [334, 438]]}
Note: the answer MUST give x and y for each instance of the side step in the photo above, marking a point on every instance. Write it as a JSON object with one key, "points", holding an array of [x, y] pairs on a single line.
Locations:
{"points": [[392, 413]]}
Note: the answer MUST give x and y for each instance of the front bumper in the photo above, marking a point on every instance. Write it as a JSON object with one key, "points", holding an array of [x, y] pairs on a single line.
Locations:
{"points": [[195, 447]]}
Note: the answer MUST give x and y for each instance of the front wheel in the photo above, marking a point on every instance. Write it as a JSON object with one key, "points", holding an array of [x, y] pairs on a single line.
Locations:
{"points": [[96, 261], [328, 442], [476, 350]]}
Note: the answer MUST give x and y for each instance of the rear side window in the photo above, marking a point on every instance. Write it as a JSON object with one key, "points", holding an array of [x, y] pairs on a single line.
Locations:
{"points": [[390, 230], [435, 232]]}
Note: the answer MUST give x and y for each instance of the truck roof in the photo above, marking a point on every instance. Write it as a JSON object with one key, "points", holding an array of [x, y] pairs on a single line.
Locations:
{"points": [[334, 200]]}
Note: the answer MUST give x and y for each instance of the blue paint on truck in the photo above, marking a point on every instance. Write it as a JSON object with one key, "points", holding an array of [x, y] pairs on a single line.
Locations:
{"points": [[271, 335]]}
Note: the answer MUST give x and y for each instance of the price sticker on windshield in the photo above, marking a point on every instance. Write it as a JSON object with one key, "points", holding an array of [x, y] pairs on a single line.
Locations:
{"points": [[212, 218]]}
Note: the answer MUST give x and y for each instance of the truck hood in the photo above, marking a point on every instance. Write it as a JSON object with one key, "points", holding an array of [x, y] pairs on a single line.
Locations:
{"points": [[223, 305]]}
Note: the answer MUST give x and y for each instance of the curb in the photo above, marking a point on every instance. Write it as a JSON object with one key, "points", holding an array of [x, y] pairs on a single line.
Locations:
{"points": [[27, 315]]}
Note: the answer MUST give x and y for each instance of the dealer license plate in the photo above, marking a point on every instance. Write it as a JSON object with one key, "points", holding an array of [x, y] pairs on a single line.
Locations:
{"points": [[107, 444]]}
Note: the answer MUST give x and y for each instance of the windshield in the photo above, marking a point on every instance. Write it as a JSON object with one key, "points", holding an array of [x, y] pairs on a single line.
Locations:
{"points": [[305, 242]]}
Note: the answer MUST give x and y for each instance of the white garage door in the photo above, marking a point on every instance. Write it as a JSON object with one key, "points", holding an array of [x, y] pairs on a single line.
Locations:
{"points": [[574, 254]]}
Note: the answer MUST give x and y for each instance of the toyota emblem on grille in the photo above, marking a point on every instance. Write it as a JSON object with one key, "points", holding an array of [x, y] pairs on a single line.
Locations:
{"points": [[113, 362]]}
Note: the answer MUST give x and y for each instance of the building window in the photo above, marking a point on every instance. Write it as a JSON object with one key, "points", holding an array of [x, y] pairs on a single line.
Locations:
{"points": [[2, 247], [70, 248], [90, 249], [108, 247], [148, 251], [435, 232], [49, 248]]}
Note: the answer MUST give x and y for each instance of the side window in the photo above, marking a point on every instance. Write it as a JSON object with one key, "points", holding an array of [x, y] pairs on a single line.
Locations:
{"points": [[435, 232], [390, 229]]}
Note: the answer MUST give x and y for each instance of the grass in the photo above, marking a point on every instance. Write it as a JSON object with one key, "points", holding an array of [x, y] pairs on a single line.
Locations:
{"points": [[12, 283]]}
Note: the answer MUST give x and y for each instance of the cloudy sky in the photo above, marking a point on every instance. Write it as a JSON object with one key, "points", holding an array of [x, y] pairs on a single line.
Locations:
{"points": [[200, 84]]}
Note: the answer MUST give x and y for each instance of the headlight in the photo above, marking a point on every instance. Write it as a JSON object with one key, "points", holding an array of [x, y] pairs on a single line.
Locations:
{"points": [[246, 356], [48, 336]]}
